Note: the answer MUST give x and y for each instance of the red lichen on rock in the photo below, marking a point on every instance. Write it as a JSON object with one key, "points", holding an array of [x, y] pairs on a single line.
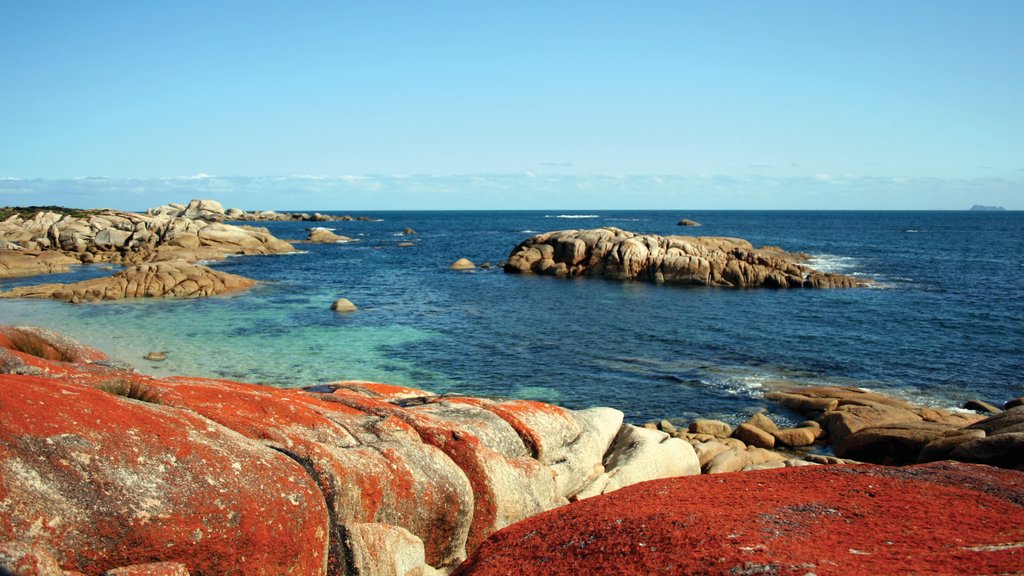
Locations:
{"points": [[105, 481], [945, 518]]}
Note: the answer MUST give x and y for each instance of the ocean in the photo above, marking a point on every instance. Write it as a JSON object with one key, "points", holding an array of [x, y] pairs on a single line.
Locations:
{"points": [[945, 323]]}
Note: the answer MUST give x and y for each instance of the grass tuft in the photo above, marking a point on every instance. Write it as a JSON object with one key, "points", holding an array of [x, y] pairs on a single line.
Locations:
{"points": [[131, 389], [37, 346]]}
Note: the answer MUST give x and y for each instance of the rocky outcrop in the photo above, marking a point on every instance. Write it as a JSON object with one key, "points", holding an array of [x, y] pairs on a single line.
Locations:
{"points": [[175, 279], [170, 232], [871, 427], [19, 262], [326, 236], [687, 260], [101, 467], [944, 519]]}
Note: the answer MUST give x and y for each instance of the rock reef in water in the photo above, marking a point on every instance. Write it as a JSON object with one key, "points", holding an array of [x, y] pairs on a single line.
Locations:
{"points": [[686, 260], [325, 236], [191, 233], [174, 279], [102, 467]]}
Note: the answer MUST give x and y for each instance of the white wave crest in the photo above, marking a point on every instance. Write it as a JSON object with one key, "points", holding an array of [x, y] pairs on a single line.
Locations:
{"points": [[573, 216]]}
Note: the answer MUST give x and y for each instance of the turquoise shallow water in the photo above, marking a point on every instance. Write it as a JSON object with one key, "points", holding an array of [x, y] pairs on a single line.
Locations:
{"points": [[946, 324]]}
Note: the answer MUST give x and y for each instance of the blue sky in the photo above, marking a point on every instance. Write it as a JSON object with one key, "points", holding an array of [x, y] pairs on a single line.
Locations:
{"points": [[387, 105]]}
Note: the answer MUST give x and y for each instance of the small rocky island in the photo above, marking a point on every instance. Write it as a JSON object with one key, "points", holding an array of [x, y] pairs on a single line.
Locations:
{"points": [[616, 254], [160, 250]]}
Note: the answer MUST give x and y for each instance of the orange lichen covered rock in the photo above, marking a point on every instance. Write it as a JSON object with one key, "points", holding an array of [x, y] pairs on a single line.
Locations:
{"points": [[942, 518], [104, 468], [105, 481]]}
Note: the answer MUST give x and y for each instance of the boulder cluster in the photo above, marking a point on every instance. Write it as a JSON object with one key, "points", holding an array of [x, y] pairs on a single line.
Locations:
{"points": [[191, 234], [872, 427], [687, 260], [102, 468]]}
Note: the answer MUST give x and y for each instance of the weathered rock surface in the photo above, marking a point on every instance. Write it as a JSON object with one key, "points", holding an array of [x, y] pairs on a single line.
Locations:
{"points": [[945, 519], [15, 263], [231, 478], [177, 279], [325, 236], [871, 427], [687, 260], [193, 232]]}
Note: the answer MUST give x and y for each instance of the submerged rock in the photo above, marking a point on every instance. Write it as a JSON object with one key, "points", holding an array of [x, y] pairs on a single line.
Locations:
{"points": [[343, 305], [462, 264], [699, 261], [325, 236]]}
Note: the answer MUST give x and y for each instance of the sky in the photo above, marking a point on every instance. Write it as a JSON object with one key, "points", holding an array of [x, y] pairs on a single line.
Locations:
{"points": [[527, 105]]}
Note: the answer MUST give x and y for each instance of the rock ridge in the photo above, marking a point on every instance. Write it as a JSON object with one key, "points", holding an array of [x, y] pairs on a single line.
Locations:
{"points": [[617, 254]]}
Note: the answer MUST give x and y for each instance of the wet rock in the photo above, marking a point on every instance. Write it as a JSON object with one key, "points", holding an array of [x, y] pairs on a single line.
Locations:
{"points": [[462, 264], [981, 406], [1010, 420], [408, 231], [325, 236], [155, 356], [343, 305], [687, 222], [1013, 403]]}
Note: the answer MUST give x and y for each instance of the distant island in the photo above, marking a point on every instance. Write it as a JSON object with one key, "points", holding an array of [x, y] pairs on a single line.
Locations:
{"points": [[982, 207]]}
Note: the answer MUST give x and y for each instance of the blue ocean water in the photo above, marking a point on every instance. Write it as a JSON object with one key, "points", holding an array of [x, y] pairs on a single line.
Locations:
{"points": [[945, 324]]}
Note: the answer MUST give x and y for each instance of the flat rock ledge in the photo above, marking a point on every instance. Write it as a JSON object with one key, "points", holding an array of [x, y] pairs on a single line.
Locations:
{"points": [[943, 518], [107, 471], [174, 279], [616, 254]]}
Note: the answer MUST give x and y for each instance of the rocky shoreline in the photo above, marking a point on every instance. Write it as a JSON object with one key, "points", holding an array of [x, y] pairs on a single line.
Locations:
{"points": [[106, 471]]}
